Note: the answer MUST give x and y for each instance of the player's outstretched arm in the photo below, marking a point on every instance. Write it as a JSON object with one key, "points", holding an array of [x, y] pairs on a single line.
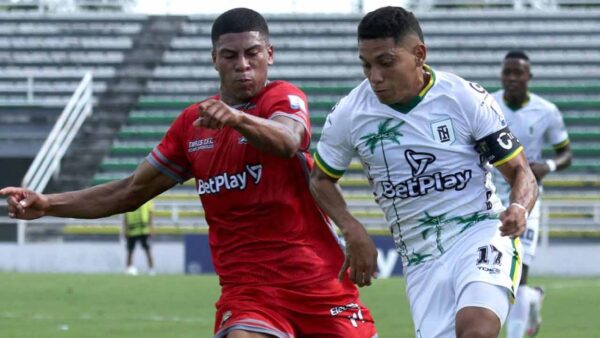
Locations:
{"points": [[280, 136], [95, 202], [524, 192], [562, 160], [361, 254]]}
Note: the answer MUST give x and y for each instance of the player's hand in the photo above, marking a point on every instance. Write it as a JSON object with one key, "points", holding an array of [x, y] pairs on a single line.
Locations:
{"points": [[514, 220], [24, 203], [540, 170], [216, 114], [361, 257]]}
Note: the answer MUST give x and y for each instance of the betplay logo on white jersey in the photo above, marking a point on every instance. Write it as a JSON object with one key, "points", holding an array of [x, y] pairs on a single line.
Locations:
{"points": [[421, 184]]}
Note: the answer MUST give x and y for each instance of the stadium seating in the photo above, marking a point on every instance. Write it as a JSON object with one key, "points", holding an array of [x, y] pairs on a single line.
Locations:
{"points": [[43, 58], [318, 53]]}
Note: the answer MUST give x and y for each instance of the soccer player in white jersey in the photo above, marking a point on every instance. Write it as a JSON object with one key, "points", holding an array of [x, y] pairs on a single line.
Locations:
{"points": [[426, 140], [535, 122]]}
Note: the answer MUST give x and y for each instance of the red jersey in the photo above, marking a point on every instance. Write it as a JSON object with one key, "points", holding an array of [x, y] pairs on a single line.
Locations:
{"points": [[264, 226]]}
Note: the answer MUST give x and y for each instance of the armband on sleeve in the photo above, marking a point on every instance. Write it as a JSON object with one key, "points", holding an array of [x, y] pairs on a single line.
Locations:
{"points": [[499, 147]]}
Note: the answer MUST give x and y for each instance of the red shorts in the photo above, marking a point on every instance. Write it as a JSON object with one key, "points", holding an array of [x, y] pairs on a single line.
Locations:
{"points": [[329, 311]]}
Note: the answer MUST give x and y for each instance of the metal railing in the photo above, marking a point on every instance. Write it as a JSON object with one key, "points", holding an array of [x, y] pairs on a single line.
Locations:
{"points": [[586, 218], [28, 85], [62, 6], [30, 89], [591, 222], [514, 4], [554, 215], [47, 161]]}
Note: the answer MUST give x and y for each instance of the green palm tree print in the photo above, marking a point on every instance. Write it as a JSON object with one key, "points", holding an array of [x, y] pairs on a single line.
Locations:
{"points": [[433, 223], [387, 132], [416, 258], [468, 221], [384, 132]]}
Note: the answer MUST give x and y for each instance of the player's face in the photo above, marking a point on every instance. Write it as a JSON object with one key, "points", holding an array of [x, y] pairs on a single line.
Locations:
{"points": [[393, 69], [515, 76], [242, 60]]}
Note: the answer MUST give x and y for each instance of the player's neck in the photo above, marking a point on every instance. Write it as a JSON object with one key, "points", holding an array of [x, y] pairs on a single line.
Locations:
{"points": [[421, 87], [424, 81], [515, 102], [420, 84], [233, 100]]}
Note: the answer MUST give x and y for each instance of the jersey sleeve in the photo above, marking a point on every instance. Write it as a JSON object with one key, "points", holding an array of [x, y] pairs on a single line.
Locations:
{"points": [[288, 101], [334, 150], [169, 156], [493, 139], [557, 131]]}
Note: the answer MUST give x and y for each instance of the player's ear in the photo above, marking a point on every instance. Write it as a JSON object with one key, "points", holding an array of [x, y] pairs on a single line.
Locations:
{"points": [[420, 53], [270, 51], [213, 54]]}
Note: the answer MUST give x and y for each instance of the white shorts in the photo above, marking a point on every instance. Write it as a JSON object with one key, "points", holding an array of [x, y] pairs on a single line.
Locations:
{"points": [[481, 255], [530, 237]]}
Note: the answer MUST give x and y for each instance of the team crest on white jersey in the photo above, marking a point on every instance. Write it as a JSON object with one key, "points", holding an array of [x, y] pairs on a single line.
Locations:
{"points": [[443, 131]]}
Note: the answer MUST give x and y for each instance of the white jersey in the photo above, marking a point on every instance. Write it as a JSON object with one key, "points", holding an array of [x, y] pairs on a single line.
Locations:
{"points": [[421, 159], [536, 123]]}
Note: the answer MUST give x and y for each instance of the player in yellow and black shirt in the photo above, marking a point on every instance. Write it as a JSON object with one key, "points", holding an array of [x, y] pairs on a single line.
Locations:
{"points": [[137, 227]]}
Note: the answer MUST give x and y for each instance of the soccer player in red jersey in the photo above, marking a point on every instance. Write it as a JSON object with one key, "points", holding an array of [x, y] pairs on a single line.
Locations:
{"points": [[276, 254]]}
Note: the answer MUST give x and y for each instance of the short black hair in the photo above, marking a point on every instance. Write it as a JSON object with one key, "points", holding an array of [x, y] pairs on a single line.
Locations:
{"points": [[389, 22], [517, 54], [239, 20]]}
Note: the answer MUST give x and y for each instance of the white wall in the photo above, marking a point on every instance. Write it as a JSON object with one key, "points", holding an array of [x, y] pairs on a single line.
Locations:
{"points": [[91, 257], [573, 259], [558, 259]]}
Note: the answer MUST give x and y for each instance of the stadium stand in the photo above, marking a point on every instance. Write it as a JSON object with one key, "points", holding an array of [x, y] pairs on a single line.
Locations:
{"points": [[43, 59], [144, 82], [78, 6], [504, 4]]}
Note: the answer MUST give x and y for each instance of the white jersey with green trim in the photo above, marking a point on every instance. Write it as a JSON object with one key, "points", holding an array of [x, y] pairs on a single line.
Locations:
{"points": [[536, 123], [420, 159]]}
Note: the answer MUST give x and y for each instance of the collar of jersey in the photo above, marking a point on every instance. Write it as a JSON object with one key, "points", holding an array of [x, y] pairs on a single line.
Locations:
{"points": [[519, 106], [405, 108], [247, 105]]}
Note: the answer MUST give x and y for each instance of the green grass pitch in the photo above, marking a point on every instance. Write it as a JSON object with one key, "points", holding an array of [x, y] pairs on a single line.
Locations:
{"points": [[71, 305]]}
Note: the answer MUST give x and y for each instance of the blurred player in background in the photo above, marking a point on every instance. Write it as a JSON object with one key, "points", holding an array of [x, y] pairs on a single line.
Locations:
{"points": [[426, 139], [276, 254], [535, 122], [138, 227]]}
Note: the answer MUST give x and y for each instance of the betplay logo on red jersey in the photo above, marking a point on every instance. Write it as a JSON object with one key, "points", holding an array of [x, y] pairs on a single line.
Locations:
{"points": [[228, 181]]}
